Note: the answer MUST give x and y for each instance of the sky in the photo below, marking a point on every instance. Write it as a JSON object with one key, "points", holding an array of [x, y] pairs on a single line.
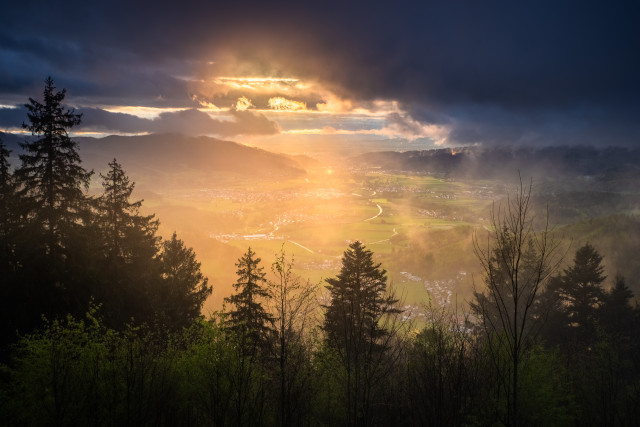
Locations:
{"points": [[433, 74]]}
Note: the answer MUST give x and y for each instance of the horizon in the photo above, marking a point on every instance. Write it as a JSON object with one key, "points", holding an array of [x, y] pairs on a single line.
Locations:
{"points": [[424, 76]]}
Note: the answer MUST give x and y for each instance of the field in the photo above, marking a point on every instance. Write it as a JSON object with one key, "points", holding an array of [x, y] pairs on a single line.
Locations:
{"points": [[314, 219]]}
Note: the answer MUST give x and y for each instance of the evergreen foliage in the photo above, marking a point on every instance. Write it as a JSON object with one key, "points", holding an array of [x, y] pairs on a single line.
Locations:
{"points": [[360, 327], [183, 288], [358, 301], [119, 219], [249, 318], [52, 210], [581, 291], [7, 208], [51, 177], [127, 248]]}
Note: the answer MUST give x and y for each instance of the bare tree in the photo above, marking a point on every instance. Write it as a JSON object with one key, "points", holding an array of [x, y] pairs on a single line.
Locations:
{"points": [[444, 369], [517, 261], [293, 304]]}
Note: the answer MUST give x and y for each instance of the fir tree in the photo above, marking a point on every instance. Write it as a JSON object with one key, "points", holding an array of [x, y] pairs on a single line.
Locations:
{"points": [[249, 319], [358, 327], [53, 210], [582, 291], [10, 290], [124, 230], [51, 178], [183, 288], [7, 210], [128, 248]]}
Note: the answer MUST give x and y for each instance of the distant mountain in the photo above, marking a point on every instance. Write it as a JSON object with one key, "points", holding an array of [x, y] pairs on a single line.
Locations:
{"points": [[162, 158], [173, 152], [504, 162], [12, 141]]}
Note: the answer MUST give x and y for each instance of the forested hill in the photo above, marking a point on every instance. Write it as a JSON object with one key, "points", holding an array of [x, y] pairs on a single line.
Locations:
{"points": [[175, 153], [488, 163]]}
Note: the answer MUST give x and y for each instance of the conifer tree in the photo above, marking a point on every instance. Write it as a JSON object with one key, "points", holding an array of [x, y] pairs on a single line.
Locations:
{"points": [[9, 289], [124, 230], [53, 210], [183, 288], [249, 319], [51, 177], [360, 325], [582, 292], [618, 316], [128, 248], [7, 210]]}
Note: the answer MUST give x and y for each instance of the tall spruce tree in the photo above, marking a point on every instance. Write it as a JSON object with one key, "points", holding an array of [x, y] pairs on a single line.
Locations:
{"points": [[357, 327], [249, 319], [580, 295], [582, 285], [53, 211], [183, 288], [9, 289], [51, 177], [124, 230], [128, 248], [7, 211]]}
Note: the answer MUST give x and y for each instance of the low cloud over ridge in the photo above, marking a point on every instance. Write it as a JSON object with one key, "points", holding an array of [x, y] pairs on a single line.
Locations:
{"points": [[188, 122], [536, 73]]}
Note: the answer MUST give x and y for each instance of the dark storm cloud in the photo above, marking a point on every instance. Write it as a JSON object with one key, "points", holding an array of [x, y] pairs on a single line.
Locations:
{"points": [[495, 72], [194, 122], [188, 122], [12, 118]]}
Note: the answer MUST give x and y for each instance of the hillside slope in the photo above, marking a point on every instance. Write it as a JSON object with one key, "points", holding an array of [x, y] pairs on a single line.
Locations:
{"points": [[174, 153]]}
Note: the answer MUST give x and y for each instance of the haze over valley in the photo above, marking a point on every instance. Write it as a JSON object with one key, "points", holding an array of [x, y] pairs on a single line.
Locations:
{"points": [[417, 210], [319, 213]]}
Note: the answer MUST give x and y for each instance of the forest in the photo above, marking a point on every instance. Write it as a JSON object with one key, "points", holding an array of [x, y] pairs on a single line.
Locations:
{"points": [[102, 325]]}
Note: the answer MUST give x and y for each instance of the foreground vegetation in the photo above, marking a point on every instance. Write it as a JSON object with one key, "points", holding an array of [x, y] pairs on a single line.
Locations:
{"points": [[102, 326]]}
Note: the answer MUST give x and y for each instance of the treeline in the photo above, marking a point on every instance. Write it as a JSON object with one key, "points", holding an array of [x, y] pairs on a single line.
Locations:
{"points": [[122, 343], [569, 357], [60, 249], [610, 163]]}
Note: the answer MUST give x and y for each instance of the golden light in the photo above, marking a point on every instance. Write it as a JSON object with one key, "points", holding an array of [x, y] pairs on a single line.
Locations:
{"points": [[142, 112], [243, 104], [257, 83], [283, 104], [210, 107]]}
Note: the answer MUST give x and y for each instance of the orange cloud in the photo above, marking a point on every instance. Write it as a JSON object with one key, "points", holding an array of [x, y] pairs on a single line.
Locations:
{"points": [[283, 104]]}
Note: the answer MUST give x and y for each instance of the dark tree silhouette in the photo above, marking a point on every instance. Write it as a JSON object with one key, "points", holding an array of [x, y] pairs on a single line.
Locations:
{"points": [[249, 318], [127, 234], [293, 304], [10, 290], [7, 211], [53, 210], [50, 176], [128, 246], [581, 289], [517, 262], [360, 326], [620, 317], [183, 288]]}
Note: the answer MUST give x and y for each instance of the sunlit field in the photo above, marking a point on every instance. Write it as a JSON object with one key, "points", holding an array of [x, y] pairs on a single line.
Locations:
{"points": [[314, 219]]}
